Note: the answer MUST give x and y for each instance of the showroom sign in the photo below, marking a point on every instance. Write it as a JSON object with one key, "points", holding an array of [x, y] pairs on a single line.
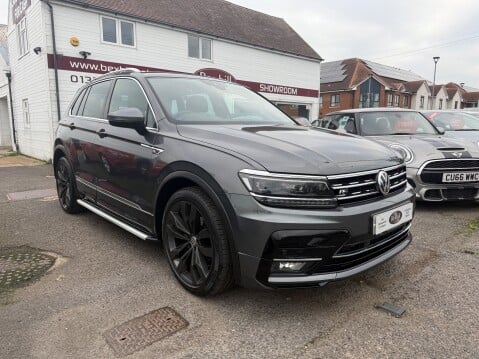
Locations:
{"points": [[101, 67]]}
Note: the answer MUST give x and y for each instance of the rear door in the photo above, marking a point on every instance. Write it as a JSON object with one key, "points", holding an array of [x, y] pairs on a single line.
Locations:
{"points": [[86, 116], [131, 160]]}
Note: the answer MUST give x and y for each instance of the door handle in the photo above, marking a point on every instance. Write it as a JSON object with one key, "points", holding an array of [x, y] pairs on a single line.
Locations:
{"points": [[72, 126], [102, 133]]}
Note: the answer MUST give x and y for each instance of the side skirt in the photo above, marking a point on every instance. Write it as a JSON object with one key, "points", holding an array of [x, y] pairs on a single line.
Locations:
{"points": [[110, 218]]}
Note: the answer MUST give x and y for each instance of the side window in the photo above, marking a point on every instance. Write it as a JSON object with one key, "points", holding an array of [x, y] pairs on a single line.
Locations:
{"points": [[127, 94], [95, 102], [78, 102]]}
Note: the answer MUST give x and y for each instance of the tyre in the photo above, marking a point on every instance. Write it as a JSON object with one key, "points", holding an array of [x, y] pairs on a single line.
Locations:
{"points": [[196, 244], [66, 186]]}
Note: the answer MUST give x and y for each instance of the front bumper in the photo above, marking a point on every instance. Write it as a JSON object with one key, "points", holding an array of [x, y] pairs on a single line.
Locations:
{"points": [[439, 192], [333, 243]]}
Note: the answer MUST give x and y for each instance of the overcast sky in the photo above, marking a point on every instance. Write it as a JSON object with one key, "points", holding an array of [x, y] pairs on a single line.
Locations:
{"points": [[404, 34]]}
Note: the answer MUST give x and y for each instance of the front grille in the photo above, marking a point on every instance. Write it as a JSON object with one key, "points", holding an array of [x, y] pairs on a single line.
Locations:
{"points": [[453, 164], [354, 247], [339, 263], [357, 187], [453, 193], [432, 172]]}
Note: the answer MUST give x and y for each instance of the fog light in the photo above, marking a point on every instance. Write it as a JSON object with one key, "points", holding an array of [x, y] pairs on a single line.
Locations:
{"points": [[290, 266]]}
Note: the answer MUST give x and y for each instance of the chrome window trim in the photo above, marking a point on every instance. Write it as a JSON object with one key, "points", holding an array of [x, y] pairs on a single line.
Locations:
{"points": [[112, 79]]}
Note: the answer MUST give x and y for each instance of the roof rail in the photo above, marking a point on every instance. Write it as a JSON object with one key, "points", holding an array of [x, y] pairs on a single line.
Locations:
{"points": [[127, 70]]}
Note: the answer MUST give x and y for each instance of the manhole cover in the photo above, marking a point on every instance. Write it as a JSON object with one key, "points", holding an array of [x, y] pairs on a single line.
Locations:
{"points": [[140, 332], [20, 265]]}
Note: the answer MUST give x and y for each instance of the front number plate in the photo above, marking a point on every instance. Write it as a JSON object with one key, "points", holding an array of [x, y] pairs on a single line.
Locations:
{"points": [[388, 220], [460, 177]]}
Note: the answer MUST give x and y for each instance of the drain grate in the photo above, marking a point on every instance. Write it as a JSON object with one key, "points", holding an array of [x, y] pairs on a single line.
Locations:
{"points": [[140, 332], [20, 265]]}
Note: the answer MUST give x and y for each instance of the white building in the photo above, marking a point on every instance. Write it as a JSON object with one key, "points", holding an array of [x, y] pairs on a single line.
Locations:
{"points": [[5, 124], [91, 37]]}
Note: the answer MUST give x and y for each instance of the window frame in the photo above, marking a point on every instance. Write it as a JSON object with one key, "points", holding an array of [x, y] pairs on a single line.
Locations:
{"points": [[117, 32], [335, 104], [389, 99], [200, 47], [26, 113], [405, 101], [396, 100], [421, 102], [440, 104], [81, 109], [22, 38], [149, 109]]}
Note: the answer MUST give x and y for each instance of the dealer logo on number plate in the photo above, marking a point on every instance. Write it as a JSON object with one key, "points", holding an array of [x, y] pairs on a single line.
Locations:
{"points": [[395, 217]]}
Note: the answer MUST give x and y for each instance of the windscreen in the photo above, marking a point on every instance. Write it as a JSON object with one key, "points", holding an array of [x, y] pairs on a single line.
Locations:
{"points": [[196, 100], [394, 123], [454, 121]]}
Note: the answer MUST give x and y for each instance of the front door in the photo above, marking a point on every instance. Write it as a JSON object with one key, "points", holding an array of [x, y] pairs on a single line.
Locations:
{"points": [[131, 160]]}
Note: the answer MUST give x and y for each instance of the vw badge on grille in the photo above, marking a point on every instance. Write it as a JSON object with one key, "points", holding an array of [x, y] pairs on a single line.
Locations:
{"points": [[384, 184]]}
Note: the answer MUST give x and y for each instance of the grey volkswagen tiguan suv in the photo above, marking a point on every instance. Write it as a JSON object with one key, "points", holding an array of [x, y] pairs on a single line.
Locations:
{"points": [[236, 190]]}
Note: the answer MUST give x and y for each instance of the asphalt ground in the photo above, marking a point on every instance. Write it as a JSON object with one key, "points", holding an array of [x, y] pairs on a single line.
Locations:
{"points": [[109, 277]]}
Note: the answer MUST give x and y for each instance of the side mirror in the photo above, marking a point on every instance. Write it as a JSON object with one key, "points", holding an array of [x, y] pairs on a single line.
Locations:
{"points": [[441, 130], [130, 117]]}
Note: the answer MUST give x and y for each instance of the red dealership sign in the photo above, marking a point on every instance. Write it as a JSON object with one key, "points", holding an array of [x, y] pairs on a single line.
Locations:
{"points": [[101, 67]]}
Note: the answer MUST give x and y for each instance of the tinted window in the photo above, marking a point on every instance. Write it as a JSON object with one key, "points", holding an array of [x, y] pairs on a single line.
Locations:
{"points": [[212, 101], [343, 122], [128, 94], [95, 103], [78, 102]]}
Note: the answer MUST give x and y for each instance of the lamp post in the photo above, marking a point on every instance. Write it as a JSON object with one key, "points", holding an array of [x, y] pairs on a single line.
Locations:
{"points": [[436, 59]]}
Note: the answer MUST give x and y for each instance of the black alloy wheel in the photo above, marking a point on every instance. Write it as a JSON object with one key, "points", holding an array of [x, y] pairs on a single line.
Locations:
{"points": [[66, 186], [195, 243]]}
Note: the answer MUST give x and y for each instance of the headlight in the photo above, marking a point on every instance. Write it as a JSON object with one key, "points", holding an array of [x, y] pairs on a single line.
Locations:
{"points": [[404, 151], [283, 190]]}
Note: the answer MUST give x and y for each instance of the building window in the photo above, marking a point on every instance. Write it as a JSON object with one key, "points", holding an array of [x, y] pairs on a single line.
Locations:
{"points": [[455, 105], [26, 113], [405, 101], [118, 32], [334, 100], [390, 99], [440, 104], [199, 47], [396, 100], [320, 101], [22, 37], [421, 103]]}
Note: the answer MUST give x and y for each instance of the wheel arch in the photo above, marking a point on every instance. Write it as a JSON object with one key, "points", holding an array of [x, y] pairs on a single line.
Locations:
{"points": [[180, 175]]}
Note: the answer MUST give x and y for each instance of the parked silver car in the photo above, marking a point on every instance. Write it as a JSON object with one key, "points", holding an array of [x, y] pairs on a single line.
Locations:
{"points": [[456, 124], [439, 168]]}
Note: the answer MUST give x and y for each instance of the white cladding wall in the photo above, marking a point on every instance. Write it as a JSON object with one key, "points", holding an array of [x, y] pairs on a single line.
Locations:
{"points": [[156, 46], [30, 81], [456, 98], [416, 99], [164, 48]]}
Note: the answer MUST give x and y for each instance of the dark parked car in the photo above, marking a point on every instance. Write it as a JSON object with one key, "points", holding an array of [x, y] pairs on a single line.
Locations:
{"points": [[236, 190], [439, 168]]}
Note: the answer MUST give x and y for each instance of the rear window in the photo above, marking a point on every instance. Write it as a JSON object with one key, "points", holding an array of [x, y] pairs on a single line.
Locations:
{"points": [[394, 123], [96, 100]]}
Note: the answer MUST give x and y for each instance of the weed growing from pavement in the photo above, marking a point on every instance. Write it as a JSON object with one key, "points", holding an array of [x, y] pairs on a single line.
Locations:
{"points": [[472, 226]]}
